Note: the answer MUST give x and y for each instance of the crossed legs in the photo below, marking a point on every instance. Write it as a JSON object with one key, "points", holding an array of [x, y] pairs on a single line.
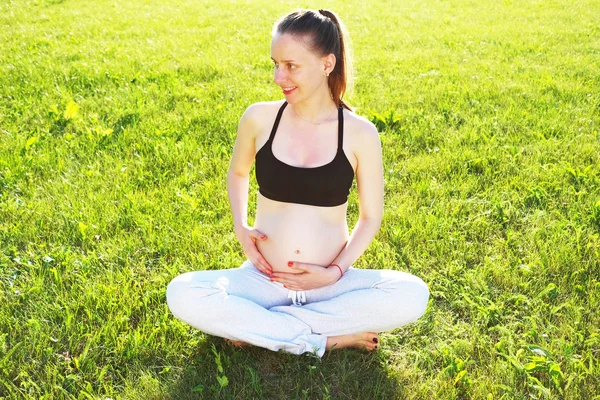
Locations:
{"points": [[243, 305]]}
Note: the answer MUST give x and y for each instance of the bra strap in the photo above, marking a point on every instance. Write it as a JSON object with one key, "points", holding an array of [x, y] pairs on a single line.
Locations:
{"points": [[340, 128], [276, 124]]}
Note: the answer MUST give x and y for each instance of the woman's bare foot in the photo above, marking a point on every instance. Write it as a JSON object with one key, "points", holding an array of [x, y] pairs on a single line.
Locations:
{"points": [[365, 341], [237, 343]]}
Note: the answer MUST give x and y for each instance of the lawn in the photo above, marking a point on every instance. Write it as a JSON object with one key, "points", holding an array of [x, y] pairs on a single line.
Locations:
{"points": [[117, 123]]}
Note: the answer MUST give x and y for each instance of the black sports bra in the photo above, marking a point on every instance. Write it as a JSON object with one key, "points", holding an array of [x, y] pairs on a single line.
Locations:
{"points": [[327, 185]]}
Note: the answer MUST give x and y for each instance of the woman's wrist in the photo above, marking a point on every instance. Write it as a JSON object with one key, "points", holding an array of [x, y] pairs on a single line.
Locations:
{"points": [[336, 271], [240, 227]]}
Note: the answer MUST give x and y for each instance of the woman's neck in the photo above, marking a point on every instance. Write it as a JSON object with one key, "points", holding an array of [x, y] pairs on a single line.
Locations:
{"points": [[315, 109]]}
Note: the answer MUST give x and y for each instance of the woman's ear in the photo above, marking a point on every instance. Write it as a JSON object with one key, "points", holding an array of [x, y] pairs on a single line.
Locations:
{"points": [[328, 64]]}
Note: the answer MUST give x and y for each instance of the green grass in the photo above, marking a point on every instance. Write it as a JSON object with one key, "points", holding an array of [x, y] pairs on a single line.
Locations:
{"points": [[117, 121]]}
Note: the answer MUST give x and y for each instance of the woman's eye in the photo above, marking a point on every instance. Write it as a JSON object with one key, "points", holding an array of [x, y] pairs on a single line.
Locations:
{"points": [[288, 66]]}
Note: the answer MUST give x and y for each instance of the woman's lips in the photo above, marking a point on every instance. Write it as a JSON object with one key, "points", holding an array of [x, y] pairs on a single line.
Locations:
{"points": [[289, 90]]}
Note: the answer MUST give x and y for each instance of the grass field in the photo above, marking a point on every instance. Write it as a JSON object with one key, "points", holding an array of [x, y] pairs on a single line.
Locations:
{"points": [[117, 121]]}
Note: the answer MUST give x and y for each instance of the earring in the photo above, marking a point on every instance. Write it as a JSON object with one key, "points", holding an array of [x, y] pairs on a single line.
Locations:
{"points": [[326, 74]]}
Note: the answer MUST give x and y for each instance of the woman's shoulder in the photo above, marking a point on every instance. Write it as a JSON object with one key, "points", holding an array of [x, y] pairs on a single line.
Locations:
{"points": [[358, 126], [263, 111], [363, 138], [257, 117]]}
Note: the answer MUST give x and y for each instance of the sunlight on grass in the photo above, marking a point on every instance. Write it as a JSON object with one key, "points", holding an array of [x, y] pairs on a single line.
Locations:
{"points": [[117, 121]]}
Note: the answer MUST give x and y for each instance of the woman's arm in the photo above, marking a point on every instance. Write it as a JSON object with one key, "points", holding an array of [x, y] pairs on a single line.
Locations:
{"points": [[238, 182], [238, 175], [369, 180]]}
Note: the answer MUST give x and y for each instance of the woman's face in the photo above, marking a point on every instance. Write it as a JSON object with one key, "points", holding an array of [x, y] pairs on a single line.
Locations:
{"points": [[298, 71]]}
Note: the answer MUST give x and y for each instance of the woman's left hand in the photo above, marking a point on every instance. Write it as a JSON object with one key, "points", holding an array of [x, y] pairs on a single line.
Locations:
{"points": [[311, 276]]}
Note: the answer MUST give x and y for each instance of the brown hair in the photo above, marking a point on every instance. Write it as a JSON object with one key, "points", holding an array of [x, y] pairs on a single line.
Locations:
{"points": [[324, 33]]}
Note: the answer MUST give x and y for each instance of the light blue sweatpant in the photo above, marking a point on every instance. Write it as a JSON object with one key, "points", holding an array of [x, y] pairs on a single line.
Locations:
{"points": [[243, 304]]}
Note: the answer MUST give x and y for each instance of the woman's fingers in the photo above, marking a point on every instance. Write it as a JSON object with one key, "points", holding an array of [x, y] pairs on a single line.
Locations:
{"points": [[258, 235], [265, 265], [298, 266], [262, 261], [261, 265], [288, 281], [248, 238], [258, 265], [259, 261], [251, 251]]}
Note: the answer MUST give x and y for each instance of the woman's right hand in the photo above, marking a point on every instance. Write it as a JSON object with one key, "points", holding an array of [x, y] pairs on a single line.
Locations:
{"points": [[247, 237]]}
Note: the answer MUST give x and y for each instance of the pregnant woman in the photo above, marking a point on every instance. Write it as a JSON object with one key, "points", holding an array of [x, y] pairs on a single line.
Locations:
{"points": [[298, 291]]}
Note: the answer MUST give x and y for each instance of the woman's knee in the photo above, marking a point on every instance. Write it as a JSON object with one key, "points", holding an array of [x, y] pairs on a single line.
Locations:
{"points": [[420, 297], [193, 293], [177, 293], [411, 297]]}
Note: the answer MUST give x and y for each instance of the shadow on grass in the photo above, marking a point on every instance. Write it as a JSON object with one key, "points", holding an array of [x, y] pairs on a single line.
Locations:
{"points": [[256, 373]]}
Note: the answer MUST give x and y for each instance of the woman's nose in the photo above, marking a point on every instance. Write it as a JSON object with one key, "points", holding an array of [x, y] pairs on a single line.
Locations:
{"points": [[279, 75]]}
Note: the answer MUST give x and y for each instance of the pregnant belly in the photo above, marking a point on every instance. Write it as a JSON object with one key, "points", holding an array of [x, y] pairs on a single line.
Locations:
{"points": [[300, 235]]}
